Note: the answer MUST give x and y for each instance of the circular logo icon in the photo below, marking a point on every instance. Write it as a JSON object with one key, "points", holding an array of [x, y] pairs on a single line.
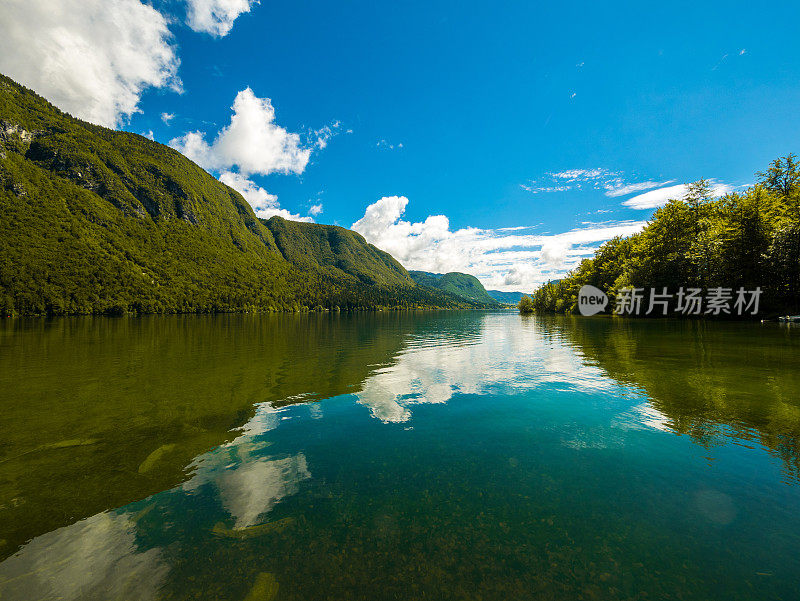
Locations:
{"points": [[591, 300]]}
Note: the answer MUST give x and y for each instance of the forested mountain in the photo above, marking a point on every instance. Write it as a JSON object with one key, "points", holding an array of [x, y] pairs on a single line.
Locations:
{"points": [[461, 284], [336, 251], [508, 298], [748, 240], [100, 221]]}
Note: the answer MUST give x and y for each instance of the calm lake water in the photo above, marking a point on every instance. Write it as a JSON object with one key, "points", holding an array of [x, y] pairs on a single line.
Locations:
{"points": [[398, 456]]}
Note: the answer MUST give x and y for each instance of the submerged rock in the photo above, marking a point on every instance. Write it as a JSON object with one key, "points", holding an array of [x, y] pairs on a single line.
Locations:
{"points": [[220, 529], [265, 588], [153, 458]]}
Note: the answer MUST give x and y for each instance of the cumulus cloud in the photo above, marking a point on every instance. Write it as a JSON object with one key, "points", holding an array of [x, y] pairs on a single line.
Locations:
{"points": [[215, 17], [265, 205], [91, 58], [660, 197], [504, 259], [251, 144], [252, 141]]}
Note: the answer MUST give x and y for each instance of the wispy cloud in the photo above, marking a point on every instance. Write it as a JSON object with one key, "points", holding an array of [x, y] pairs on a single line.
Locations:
{"points": [[612, 183], [320, 137], [660, 197], [167, 117], [388, 145], [503, 258], [534, 189], [725, 56], [625, 189]]}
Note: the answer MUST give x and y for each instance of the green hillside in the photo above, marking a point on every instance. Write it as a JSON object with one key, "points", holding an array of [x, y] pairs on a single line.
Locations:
{"points": [[336, 251], [100, 221], [508, 298], [461, 284]]}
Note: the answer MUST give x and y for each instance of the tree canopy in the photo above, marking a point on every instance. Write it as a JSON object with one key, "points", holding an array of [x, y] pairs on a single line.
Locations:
{"points": [[748, 239]]}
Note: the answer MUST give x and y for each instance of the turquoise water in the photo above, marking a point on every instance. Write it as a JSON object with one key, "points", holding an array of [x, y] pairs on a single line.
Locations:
{"points": [[399, 456]]}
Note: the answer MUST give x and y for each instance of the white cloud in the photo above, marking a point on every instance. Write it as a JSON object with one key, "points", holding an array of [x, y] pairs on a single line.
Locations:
{"points": [[322, 136], [315, 210], [575, 175], [253, 144], [502, 259], [215, 17], [622, 190], [149, 135], [167, 117], [533, 189], [660, 197], [575, 179], [91, 58], [595, 178], [252, 141], [264, 204], [390, 146]]}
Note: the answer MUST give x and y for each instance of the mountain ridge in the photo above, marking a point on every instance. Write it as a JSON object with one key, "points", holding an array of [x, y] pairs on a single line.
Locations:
{"points": [[460, 284], [96, 221]]}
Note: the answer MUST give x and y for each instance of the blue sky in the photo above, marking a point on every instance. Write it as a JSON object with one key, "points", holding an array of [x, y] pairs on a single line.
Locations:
{"points": [[480, 116]]}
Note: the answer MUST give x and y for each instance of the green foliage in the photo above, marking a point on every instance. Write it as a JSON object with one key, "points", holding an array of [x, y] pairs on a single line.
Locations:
{"points": [[525, 305], [100, 221], [462, 285], [749, 239]]}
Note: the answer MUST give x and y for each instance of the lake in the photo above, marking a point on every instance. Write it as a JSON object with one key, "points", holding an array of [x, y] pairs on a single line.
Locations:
{"points": [[431, 455]]}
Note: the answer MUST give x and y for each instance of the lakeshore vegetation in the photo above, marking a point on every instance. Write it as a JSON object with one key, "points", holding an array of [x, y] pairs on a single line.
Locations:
{"points": [[744, 239]]}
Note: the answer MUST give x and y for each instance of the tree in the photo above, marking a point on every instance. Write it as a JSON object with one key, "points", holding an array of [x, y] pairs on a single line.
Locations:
{"points": [[748, 239], [782, 177], [525, 304]]}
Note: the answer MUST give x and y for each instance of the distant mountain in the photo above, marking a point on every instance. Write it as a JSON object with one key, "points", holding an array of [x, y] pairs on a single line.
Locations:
{"points": [[461, 284], [508, 298], [100, 221]]}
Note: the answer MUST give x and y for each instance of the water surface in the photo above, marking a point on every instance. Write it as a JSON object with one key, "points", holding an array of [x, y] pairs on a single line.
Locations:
{"points": [[398, 456]]}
